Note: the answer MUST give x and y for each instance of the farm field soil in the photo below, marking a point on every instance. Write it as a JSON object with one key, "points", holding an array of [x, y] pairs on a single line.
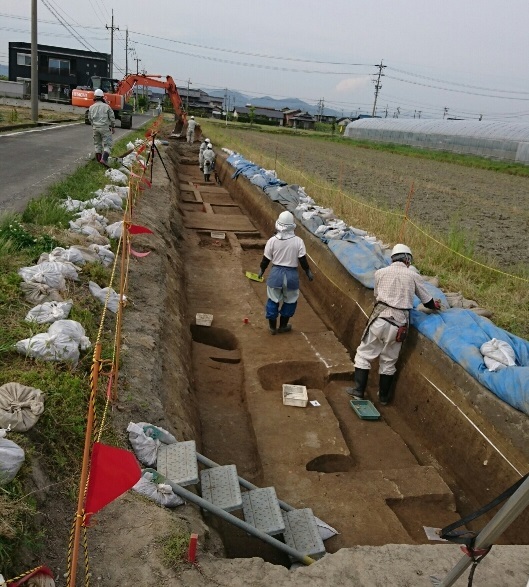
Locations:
{"points": [[489, 208]]}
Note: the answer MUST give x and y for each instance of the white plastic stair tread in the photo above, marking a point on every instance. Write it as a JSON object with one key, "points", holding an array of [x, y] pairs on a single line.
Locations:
{"points": [[220, 486], [301, 532], [178, 462], [261, 510]]}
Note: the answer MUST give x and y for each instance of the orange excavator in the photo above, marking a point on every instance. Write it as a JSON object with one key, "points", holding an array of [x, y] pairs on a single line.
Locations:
{"points": [[117, 93]]}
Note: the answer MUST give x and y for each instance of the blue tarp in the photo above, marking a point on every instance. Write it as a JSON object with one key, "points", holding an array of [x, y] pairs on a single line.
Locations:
{"points": [[459, 333]]}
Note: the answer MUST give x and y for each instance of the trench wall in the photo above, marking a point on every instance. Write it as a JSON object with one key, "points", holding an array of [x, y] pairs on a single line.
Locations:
{"points": [[478, 441]]}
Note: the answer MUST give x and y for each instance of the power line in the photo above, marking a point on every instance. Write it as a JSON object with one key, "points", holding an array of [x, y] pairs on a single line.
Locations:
{"points": [[68, 27]]}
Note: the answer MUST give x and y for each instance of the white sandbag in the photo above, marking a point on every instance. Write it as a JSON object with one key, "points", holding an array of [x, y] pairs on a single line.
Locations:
{"points": [[115, 230], [104, 254], [86, 229], [116, 176], [73, 205], [71, 255], [49, 273], [100, 293], [37, 293], [498, 354], [482, 312], [89, 256], [48, 348], [67, 269], [11, 459], [158, 492], [145, 447], [20, 406], [98, 239], [49, 312], [455, 299], [70, 331]]}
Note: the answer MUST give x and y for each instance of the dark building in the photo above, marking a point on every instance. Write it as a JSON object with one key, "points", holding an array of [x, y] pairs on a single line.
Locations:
{"points": [[60, 69]]}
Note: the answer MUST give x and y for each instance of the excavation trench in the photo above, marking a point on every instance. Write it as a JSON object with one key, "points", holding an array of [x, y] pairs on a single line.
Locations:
{"points": [[444, 446]]}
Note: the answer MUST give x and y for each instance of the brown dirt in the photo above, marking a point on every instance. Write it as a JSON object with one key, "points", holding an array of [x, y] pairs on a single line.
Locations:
{"points": [[490, 208]]}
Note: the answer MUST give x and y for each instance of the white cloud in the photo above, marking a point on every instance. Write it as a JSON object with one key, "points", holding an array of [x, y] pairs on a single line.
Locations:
{"points": [[351, 84]]}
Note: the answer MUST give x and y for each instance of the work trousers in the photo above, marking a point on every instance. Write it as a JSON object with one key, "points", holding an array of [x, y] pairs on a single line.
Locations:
{"points": [[276, 295], [190, 136], [379, 341], [102, 139]]}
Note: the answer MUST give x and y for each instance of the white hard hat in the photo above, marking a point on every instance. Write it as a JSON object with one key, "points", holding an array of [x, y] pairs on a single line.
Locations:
{"points": [[207, 141], [286, 218], [400, 249], [209, 146], [192, 118], [99, 93]]}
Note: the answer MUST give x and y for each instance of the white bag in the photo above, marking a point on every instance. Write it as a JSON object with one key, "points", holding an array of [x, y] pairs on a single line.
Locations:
{"points": [[104, 254], [73, 205], [20, 406], [115, 230], [100, 293], [37, 293], [49, 312], [11, 459], [117, 176], [498, 354], [158, 492], [49, 273], [145, 447], [71, 255], [70, 331], [89, 256]]}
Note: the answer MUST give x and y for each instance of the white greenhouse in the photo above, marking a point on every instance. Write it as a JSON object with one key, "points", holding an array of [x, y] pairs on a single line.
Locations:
{"points": [[506, 141]]}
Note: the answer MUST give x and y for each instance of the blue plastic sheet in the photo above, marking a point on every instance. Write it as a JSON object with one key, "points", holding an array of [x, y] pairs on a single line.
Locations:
{"points": [[459, 333]]}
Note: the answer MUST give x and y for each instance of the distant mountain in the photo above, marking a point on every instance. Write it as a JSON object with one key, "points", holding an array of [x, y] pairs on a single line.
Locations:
{"points": [[4, 70], [238, 99]]}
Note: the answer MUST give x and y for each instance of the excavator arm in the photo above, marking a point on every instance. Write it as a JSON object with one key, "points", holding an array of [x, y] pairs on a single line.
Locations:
{"points": [[126, 85]]}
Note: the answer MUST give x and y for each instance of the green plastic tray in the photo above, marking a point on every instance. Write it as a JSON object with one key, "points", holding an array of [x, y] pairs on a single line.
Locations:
{"points": [[365, 409]]}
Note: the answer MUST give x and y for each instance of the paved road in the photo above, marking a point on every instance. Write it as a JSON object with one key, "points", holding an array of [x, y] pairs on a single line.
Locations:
{"points": [[31, 160]]}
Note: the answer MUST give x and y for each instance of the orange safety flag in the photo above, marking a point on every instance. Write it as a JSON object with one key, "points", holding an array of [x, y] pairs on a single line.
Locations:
{"points": [[112, 472], [138, 229]]}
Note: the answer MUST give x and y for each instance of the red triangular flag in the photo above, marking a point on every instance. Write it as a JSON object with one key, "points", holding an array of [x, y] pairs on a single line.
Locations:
{"points": [[138, 229], [112, 472]]}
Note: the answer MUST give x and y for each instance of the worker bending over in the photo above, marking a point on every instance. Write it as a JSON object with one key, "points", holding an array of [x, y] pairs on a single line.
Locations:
{"points": [[102, 119], [387, 325], [284, 250], [191, 125]]}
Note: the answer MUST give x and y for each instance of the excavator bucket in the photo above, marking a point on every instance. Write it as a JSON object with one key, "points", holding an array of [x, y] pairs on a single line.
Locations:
{"points": [[179, 128]]}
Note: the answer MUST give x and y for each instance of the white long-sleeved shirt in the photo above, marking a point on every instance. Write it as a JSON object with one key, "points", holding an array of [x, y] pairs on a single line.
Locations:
{"points": [[101, 114]]}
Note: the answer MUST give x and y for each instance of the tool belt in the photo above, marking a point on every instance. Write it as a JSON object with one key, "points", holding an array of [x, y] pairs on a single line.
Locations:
{"points": [[379, 307]]}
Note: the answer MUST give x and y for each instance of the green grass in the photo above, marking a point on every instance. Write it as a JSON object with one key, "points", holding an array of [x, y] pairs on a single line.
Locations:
{"points": [[174, 548], [57, 439]]}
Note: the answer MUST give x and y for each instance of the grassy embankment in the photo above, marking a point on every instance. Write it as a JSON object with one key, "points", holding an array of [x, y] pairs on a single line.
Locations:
{"points": [[507, 297], [20, 115], [56, 441]]}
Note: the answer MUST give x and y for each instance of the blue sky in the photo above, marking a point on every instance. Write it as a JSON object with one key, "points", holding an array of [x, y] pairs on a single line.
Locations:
{"points": [[467, 57]]}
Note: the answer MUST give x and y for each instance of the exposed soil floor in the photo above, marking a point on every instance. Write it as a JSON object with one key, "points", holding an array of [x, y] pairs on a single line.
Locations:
{"points": [[357, 475], [490, 208]]}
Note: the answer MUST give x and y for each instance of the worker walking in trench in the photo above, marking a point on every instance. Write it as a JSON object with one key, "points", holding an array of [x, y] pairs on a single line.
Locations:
{"points": [[203, 146], [285, 250], [102, 119], [191, 125], [387, 325]]}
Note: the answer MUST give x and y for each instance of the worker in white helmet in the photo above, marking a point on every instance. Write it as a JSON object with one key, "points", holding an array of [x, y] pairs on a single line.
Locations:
{"points": [[285, 250], [208, 161], [191, 125], [387, 325], [103, 121], [203, 146]]}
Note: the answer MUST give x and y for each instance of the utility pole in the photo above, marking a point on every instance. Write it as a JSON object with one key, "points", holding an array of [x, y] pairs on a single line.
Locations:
{"points": [[136, 85], [127, 51], [386, 111], [419, 112], [34, 64], [187, 99], [445, 112], [481, 117], [226, 105], [378, 85], [112, 29]]}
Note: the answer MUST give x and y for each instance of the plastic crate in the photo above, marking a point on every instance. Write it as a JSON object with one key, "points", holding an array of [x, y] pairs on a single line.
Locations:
{"points": [[295, 395], [204, 319], [365, 409]]}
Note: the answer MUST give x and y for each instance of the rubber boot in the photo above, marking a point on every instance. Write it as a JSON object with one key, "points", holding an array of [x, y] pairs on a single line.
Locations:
{"points": [[361, 376], [272, 325], [206, 177], [384, 389], [284, 326], [104, 159], [98, 157]]}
